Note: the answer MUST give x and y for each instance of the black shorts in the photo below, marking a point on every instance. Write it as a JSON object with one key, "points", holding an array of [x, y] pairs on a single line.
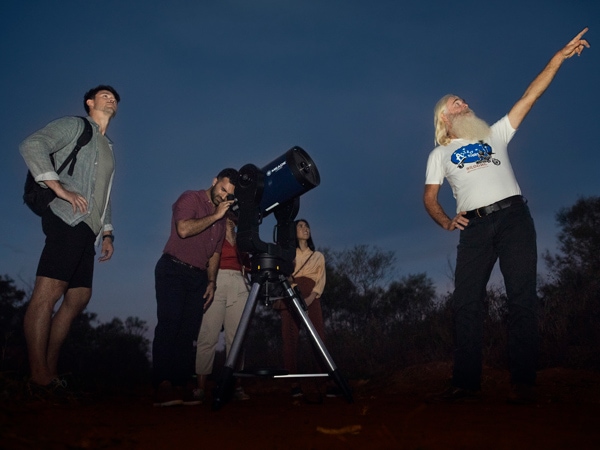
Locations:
{"points": [[69, 252]]}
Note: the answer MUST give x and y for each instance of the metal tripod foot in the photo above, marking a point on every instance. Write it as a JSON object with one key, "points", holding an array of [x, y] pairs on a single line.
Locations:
{"points": [[225, 385]]}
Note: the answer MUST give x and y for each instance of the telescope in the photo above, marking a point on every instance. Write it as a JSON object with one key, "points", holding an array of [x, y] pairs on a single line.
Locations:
{"points": [[276, 188], [291, 175]]}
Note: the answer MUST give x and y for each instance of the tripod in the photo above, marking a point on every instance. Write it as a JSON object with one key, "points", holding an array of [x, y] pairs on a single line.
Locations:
{"points": [[274, 189], [268, 273]]}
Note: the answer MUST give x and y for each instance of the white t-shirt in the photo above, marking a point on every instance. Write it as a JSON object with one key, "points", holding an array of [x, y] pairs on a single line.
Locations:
{"points": [[478, 172]]}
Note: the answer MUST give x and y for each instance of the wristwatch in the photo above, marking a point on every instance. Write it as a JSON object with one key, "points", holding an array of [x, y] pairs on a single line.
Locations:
{"points": [[110, 236]]}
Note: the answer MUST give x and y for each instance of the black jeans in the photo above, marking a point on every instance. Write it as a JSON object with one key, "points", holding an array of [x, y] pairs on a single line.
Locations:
{"points": [[179, 307], [508, 236]]}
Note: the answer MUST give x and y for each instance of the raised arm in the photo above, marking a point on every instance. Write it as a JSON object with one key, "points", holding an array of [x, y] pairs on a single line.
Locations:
{"points": [[543, 80], [192, 227]]}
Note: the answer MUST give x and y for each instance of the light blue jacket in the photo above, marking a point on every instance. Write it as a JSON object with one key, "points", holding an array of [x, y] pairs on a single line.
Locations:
{"points": [[59, 138]]}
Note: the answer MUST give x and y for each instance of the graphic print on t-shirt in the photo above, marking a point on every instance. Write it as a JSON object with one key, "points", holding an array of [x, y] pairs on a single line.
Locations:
{"points": [[478, 153]]}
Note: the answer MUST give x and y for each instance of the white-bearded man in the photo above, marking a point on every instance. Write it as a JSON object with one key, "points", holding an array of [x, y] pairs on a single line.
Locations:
{"points": [[495, 224]]}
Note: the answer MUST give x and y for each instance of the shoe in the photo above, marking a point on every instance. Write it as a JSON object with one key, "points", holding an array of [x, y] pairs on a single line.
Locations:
{"points": [[192, 397], [456, 395], [521, 394], [296, 392], [55, 392], [198, 394], [239, 394], [333, 392], [167, 395]]}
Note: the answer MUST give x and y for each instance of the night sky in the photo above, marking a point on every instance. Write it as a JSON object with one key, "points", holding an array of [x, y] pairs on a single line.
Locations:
{"points": [[207, 85]]}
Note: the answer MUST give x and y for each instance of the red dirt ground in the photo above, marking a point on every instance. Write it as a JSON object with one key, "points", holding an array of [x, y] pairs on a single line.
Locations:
{"points": [[385, 414]]}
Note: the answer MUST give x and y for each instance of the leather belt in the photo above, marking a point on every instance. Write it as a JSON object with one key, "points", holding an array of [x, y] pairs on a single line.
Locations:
{"points": [[489, 209], [181, 263]]}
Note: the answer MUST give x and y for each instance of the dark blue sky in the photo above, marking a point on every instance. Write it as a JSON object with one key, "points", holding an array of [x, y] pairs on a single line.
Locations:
{"points": [[206, 85]]}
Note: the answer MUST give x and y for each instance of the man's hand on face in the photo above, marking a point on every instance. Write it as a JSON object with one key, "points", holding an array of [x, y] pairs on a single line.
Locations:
{"points": [[223, 207]]}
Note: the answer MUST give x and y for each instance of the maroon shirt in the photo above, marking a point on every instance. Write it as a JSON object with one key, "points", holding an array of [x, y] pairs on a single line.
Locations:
{"points": [[195, 250]]}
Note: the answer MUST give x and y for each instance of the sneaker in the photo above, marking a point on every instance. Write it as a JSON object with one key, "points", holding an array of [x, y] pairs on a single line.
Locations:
{"points": [[296, 392], [521, 394], [193, 397], [167, 395], [239, 394], [56, 391]]}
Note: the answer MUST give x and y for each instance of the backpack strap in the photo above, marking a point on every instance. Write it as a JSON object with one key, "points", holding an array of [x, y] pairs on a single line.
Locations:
{"points": [[82, 141]]}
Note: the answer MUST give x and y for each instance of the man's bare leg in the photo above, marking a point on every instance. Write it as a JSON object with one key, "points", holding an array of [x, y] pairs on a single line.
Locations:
{"points": [[75, 301], [37, 326]]}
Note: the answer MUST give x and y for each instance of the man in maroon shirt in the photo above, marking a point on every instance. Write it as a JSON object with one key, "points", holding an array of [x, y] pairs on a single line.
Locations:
{"points": [[185, 278]]}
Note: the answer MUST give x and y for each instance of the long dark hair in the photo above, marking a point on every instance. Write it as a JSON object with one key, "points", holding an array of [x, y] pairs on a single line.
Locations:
{"points": [[310, 242]]}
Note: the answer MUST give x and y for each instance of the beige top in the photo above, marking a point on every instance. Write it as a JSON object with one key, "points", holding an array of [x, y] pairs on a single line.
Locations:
{"points": [[313, 269]]}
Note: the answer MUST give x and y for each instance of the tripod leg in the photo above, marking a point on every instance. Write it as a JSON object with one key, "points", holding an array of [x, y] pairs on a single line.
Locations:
{"points": [[226, 383], [333, 370]]}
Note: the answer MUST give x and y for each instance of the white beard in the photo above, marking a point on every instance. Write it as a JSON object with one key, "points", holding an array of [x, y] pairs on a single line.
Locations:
{"points": [[470, 127]]}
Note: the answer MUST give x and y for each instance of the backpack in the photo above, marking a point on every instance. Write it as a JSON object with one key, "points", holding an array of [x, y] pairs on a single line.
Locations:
{"points": [[37, 197]]}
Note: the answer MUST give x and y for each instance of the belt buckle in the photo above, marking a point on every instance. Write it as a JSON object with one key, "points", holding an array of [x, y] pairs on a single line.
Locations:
{"points": [[477, 212]]}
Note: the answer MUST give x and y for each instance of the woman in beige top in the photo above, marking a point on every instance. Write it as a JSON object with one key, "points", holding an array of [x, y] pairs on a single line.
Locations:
{"points": [[309, 276]]}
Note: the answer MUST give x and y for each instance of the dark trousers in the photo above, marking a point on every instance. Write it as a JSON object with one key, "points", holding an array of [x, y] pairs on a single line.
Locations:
{"points": [[290, 333], [179, 308], [69, 252], [509, 236]]}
